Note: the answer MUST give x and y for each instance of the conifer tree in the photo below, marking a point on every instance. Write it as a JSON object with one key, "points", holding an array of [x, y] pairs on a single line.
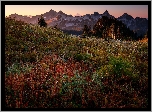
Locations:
{"points": [[86, 30], [42, 22], [109, 28]]}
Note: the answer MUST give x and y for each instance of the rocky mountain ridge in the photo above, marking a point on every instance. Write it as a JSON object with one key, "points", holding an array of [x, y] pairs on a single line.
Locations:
{"points": [[76, 23]]}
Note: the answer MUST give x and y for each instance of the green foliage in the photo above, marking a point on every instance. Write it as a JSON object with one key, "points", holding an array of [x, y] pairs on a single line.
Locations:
{"points": [[96, 78], [63, 66], [80, 57], [17, 68], [75, 85], [28, 44], [118, 66]]}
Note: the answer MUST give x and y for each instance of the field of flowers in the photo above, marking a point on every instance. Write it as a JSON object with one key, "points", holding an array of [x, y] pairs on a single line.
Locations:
{"points": [[45, 68]]}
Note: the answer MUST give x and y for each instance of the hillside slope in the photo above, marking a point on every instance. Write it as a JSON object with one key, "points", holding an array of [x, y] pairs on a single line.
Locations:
{"points": [[45, 68]]}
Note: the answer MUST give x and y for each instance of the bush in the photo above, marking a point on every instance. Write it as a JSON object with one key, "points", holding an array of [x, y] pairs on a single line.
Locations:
{"points": [[18, 68], [82, 56], [116, 67]]}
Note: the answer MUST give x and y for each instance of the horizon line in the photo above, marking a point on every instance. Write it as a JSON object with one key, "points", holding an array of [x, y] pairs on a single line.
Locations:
{"points": [[75, 14]]}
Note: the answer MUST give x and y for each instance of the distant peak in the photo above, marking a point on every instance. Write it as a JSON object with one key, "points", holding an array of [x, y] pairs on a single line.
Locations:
{"points": [[51, 10], [96, 13], [137, 17], [106, 13], [60, 11], [125, 14]]}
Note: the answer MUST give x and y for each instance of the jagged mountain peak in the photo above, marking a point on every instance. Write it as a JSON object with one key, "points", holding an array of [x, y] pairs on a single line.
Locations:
{"points": [[127, 16], [60, 12], [106, 13], [52, 10], [69, 22]]}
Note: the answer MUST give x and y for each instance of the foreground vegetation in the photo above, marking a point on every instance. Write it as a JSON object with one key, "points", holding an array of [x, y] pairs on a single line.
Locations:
{"points": [[45, 68]]}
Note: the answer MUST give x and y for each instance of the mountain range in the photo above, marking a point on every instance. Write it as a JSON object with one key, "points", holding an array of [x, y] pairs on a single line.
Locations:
{"points": [[76, 23]]}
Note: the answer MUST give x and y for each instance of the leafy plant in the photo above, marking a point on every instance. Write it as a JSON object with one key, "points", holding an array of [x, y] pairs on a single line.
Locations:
{"points": [[17, 68]]}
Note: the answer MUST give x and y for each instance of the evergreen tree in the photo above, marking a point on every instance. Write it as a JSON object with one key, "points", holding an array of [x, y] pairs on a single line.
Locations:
{"points": [[110, 28], [42, 22], [86, 31]]}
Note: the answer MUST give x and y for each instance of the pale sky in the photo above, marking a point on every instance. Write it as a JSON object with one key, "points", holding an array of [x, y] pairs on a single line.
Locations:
{"points": [[115, 10]]}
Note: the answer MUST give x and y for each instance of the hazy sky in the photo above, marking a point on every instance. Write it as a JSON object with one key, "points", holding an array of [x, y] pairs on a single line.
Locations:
{"points": [[115, 10]]}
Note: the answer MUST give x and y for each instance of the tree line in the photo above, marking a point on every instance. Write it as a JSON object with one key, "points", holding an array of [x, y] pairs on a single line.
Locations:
{"points": [[104, 28], [110, 28]]}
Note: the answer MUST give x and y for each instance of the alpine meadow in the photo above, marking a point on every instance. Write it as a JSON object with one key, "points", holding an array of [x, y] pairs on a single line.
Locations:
{"points": [[48, 68]]}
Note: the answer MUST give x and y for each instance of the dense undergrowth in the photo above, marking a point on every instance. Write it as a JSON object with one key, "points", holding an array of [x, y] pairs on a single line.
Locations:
{"points": [[45, 68]]}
